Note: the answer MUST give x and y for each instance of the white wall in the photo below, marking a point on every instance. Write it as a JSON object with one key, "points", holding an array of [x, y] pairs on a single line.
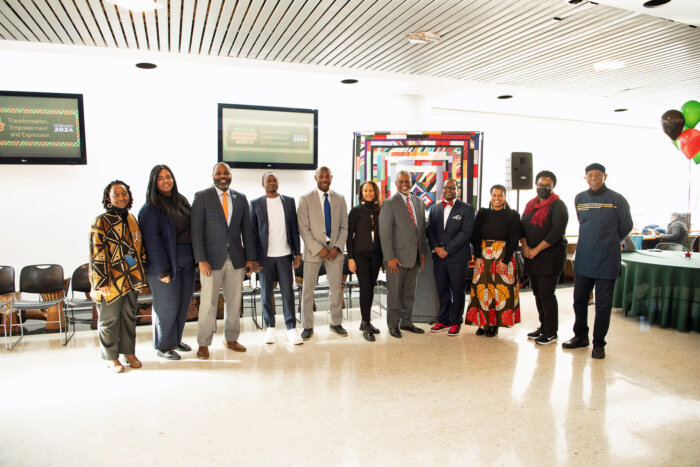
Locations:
{"points": [[641, 163], [138, 118]]}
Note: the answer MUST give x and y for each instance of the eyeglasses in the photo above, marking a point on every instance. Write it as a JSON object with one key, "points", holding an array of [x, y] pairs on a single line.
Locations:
{"points": [[448, 187], [549, 187], [592, 175]]}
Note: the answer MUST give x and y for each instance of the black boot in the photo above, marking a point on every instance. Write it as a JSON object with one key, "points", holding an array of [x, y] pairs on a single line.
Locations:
{"points": [[367, 331], [492, 331]]}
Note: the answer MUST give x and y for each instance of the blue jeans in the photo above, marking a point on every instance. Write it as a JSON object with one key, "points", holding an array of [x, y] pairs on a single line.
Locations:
{"points": [[171, 301], [280, 268]]}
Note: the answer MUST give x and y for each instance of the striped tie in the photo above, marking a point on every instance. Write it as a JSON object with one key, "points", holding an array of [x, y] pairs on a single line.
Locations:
{"points": [[410, 211]]}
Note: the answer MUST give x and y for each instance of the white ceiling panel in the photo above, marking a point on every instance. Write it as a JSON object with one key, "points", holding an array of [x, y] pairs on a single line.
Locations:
{"points": [[546, 45]]}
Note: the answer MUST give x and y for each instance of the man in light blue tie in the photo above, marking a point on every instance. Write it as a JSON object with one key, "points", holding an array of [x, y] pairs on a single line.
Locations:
{"points": [[323, 226]]}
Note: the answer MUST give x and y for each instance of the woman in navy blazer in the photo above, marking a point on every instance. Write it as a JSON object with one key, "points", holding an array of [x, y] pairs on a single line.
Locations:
{"points": [[165, 223]]}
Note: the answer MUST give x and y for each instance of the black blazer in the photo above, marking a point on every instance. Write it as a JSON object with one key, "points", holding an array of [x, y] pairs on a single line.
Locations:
{"points": [[455, 235], [260, 223], [159, 237], [212, 239]]}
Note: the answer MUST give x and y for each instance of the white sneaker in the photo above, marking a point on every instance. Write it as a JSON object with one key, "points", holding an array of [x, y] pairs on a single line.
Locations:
{"points": [[293, 337], [270, 336]]}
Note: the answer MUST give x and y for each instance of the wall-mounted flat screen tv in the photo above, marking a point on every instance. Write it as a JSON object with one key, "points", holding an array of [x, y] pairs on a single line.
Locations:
{"points": [[41, 128], [258, 137]]}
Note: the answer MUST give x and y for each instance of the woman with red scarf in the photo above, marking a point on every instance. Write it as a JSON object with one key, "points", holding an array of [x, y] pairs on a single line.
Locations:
{"points": [[543, 226]]}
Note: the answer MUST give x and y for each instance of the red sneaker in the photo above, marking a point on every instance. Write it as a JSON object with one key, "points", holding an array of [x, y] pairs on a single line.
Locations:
{"points": [[454, 330], [439, 327]]}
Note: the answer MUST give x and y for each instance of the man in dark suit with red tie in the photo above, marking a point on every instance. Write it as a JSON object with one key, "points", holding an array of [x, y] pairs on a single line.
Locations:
{"points": [[449, 229], [402, 235]]}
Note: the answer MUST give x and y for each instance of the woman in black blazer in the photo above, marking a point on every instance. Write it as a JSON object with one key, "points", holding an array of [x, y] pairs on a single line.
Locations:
{"points": [[543, 227], [365, 251], [165, 223]]}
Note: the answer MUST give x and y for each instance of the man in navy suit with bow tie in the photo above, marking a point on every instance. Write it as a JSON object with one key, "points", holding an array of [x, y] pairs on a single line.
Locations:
{"points": [[449, 229]]}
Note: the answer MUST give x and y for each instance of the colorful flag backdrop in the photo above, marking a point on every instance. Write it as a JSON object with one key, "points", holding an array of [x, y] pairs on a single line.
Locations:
{"points": [[430, 157]]}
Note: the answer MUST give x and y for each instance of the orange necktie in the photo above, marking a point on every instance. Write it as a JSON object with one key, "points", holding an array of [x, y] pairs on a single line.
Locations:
{"points": [[224, 204]]}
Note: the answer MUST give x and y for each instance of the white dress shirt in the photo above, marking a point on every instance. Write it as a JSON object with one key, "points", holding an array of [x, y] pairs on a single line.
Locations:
{"points": [[446, 214]]}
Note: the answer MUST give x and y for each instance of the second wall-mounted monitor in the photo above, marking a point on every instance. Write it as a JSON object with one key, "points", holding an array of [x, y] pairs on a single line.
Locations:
{"points": [[257, 137]]}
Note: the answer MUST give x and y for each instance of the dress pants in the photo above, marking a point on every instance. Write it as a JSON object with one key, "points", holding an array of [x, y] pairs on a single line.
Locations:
{"points": [[283, 266], [451, 279], [401, 292], [547, 307], [604, 288], [368, 264], [334, 273], [171, 301], [232, 281], [116, 326]]}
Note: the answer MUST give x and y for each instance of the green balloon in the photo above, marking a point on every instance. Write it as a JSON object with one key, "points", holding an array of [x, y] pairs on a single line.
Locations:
{"points": [[691, 112], [696, 159]]}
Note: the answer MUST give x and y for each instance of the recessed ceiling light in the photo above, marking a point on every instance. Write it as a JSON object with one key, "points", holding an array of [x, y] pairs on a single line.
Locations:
{"points": [[655, 3], [505, 96], [146, 65], [611, 65], [423, 37], [349, 81], [137, 5], [620, 110]]}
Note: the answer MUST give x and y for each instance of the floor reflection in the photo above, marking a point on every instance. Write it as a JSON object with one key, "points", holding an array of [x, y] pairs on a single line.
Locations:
{"points": [[420, 400]]}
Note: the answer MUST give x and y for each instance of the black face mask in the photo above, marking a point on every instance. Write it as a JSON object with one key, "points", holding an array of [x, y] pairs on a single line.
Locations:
{"points": [[544, 193]]}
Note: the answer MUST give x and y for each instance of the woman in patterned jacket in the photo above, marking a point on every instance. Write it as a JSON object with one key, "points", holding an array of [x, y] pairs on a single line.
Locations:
{"points": [[117, 258]]}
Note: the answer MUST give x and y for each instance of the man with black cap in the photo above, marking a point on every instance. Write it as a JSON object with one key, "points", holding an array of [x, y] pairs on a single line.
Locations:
{"points": [[604, 221]]}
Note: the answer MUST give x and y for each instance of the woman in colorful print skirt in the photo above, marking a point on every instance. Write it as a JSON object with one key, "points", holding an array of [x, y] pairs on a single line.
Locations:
{"points": [[494, 293]]}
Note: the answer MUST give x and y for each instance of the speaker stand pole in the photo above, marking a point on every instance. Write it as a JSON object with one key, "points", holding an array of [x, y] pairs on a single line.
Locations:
{"points": [[517, 200]]}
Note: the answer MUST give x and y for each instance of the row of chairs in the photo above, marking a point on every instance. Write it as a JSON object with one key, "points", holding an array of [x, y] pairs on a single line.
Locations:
{"points": [[47, 283]]}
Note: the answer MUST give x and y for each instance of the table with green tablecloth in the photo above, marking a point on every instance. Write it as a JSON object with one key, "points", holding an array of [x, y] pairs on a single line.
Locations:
{"points": [[661, 286]]}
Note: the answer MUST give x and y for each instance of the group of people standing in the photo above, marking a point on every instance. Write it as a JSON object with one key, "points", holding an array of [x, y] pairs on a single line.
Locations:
{"points": [[227, 238]]}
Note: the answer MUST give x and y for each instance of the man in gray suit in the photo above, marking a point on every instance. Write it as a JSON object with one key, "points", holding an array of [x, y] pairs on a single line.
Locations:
{"points": [[222, 240], [323, 225], [402, 234]]}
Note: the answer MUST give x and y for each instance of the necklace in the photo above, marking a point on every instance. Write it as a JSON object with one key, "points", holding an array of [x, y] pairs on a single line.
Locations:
{"points": [[370, 211]]}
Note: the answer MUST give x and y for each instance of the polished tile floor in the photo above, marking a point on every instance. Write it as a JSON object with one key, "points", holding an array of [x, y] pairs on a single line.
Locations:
{"points": [[421, 400]]}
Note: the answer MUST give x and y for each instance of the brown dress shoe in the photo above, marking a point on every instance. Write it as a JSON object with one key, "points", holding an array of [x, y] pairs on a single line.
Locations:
{"points": [[133, 361], [235, 346], [115, 366], [203, 353]]}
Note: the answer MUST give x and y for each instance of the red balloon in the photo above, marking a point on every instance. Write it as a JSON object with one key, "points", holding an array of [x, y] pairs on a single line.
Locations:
{"points": [[689, 142]]}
